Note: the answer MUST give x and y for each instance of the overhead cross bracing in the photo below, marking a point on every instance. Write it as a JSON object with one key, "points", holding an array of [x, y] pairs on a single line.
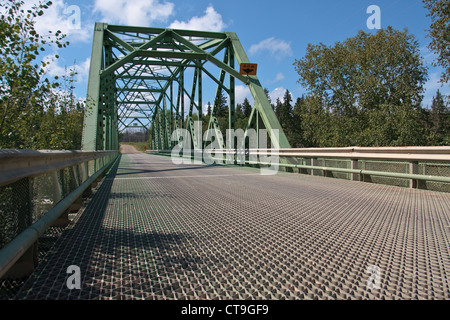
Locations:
{"points": [[155, 78]]}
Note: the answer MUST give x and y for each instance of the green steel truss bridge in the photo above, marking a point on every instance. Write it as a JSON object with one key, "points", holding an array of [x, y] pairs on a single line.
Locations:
{"points": [[141, 77], [332, 223]]}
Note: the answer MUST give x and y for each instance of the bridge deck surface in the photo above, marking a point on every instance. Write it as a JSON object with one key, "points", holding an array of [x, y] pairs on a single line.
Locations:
{"points": [[155, 230]]}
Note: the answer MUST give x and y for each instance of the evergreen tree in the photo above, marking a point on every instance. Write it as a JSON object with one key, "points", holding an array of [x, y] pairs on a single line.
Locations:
{"points": [[209, 108], [241, 119], [297, 126], [239, 111], [440, 120], [221, 112], [266, 91], [221, 109], [246, 108], [284, 113], [278, 109]]}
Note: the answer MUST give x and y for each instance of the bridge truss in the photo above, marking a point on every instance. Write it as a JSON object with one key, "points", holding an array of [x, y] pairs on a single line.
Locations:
{"points": [[155, 79]]}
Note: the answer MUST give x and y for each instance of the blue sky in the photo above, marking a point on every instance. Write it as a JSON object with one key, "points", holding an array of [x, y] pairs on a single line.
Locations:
{"points": [[273, 34]]}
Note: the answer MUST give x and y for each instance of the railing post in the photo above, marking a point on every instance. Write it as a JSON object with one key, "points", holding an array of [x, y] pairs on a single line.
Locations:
{"points": [[22, 193], [57, 187], [365, 177], [354, 166], [303, 162], [413, 169], [314, 162]]}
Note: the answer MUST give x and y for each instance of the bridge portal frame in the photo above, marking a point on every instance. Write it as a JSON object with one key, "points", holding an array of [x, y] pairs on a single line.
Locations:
{"points": [[138, 76]]}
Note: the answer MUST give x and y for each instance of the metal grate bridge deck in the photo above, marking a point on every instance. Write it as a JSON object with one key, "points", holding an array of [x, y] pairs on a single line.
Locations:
{"points": [[155, 230]]}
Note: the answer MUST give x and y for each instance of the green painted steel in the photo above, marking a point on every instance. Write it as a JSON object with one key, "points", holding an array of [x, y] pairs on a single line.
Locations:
{"points": [[140, 78], [14, 250], [91, 134]]}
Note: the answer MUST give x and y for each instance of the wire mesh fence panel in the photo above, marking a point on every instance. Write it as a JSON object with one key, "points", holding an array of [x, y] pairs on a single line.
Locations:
{"points": [[15, 216], [386, 166], [44, 195], [337, 163], [330, 167], [15, 210], [435, 169], [25, 201]]}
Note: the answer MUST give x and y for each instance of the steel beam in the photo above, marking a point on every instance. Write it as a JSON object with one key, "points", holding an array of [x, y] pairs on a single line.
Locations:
{"points": [[91, 125], [143, 66]]}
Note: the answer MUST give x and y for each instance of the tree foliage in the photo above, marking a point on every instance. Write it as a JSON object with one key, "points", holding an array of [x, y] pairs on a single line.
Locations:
{"points": [[366, 90], [439, 32], [438, 120], [35, 113]]}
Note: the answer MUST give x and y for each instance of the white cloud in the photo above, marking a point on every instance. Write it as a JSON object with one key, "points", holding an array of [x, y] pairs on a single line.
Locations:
{"points": [[242, 92], [431, 87], [82, 70], [278, 93], [275, 47], [63, 17], [428, 56], [136, 12], [280, 76], [187, 105], [54, 68], [211, 21], [433, 84]]}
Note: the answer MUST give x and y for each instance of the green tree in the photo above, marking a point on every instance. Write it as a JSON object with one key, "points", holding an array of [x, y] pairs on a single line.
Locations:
{"points": [[284, 114], [315, 122], [439, 11], [221, 111], [239, 111], [278, 108], [221, 108], [246, 108], [209, 109], [24, 89], [366, 83], [440, 120], [62, 122], [241, 119], [297, 126]]}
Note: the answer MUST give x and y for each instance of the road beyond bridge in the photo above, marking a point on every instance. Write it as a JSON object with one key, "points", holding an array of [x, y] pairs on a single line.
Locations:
{"points": [[155, 230]]}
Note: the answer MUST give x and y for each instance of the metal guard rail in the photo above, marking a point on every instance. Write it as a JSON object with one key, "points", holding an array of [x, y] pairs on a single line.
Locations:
{"points": [[406, 154], [18, 164]]}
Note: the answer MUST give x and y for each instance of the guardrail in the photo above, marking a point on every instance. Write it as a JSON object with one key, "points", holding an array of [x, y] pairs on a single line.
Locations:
{"points": [[415, 167], [38, 189]]}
